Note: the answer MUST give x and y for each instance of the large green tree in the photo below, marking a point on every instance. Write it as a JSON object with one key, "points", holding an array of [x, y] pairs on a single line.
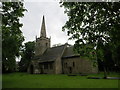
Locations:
{"points": [[27, 54], [94, 26], [12, 37]]}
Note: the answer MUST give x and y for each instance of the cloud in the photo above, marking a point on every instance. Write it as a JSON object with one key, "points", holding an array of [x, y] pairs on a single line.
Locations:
{"points": [[54, 20]]}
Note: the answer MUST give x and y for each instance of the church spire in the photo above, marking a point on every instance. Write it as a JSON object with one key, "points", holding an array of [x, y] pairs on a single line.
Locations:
{"points": [[43, 29]]}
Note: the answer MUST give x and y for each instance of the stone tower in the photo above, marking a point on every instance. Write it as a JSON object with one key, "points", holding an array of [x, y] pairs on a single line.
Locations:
{"points": [[42, 42]]}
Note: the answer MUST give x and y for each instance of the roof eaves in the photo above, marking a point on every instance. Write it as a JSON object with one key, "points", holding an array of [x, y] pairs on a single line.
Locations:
{"points": [[72, 56]]}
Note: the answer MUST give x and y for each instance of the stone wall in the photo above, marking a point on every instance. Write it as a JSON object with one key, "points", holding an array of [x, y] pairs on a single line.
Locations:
{"points": [[58, 66], [77, 65], [41, 45], [50, 68], [39, 68], [73, 65]]}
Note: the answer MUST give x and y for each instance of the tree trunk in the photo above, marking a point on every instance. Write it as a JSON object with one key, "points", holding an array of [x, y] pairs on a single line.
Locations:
{"points": [[105, 72]]}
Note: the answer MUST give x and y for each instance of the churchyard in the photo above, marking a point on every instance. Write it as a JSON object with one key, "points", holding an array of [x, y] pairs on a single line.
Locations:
{"points": [[25, 80]]}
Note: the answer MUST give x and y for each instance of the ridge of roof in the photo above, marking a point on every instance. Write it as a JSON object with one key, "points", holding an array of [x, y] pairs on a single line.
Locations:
{"points": [[52, 53], [69, 52], [57, 46]]}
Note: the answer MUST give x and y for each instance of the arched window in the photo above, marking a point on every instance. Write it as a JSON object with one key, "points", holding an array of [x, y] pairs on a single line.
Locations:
{"points": [[46, 66], [46, 44], [73, 64], [65, 64]]}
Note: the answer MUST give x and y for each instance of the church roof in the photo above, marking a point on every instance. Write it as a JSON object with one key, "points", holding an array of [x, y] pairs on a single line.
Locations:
{"points": [[52, 54], [69, 53]]}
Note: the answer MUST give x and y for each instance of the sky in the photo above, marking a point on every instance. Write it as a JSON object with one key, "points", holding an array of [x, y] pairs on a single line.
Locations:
{"points": [[54, 20]]}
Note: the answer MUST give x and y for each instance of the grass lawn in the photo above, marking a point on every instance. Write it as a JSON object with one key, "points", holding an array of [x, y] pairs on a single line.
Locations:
{"points": [[24, 80]]}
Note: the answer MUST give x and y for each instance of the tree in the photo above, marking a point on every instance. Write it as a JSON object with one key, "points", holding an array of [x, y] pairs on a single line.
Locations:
{"points": [[12, 37], [27, 55], [95, 25]]}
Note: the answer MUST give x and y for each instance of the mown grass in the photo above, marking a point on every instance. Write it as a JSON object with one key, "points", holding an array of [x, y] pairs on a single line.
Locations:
{"points": [[24, 80]]}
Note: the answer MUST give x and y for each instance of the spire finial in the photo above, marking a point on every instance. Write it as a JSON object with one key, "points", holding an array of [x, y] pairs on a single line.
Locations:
{"points": [[43, 29]]}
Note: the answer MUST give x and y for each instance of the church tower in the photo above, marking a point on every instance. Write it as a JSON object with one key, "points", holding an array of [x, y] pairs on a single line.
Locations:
{"points": [[42, 43]]}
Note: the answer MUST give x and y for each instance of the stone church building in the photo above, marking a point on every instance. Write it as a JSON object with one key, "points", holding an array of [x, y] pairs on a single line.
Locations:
{"points": [[57, 60]]}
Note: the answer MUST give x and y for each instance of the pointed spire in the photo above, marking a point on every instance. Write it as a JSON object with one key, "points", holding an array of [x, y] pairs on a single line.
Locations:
{"points": [[43, 29]]}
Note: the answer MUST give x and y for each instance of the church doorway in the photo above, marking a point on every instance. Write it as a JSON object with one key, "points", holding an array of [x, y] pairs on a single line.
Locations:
{"points": [[70, 69], [31, 69]]}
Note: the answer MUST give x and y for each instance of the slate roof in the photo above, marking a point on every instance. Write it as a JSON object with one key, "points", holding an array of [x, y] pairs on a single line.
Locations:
{"points": [[52, 53], [69, 52]]}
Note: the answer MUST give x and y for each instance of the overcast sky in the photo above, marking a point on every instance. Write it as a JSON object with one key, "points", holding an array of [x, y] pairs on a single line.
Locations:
{"points": [[54, 20]]}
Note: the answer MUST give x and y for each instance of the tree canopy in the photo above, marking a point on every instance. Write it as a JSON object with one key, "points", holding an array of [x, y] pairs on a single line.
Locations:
{"points": [[95, 26], [12, 37], [27, 54]]}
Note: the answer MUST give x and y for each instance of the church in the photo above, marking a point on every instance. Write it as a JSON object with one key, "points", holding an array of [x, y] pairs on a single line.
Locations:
{"points": [[57, 60]]}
